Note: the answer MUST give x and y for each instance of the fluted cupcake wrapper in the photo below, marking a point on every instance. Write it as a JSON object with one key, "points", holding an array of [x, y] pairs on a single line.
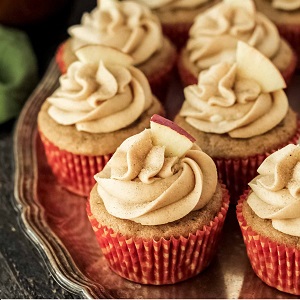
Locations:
{"points": [[276, 265], [238, 172], [188, 78], [59, 58], [162, 261], [178, 33], [73, 172], [159, 81], [291, 32]]}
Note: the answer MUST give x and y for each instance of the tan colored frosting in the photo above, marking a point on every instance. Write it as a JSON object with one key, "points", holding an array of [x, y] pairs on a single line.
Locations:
{"points": [[215, 33], [172, 4], [276, 190], [140, 184], [97, 98], [288, 5], [126, 25], [222, 102]]}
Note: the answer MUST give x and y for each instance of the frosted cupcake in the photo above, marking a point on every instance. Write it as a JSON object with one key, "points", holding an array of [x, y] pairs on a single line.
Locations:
{"points": [[239, 114], [269, 218], [286, 16], [176, 16], [157, 208], [101, 101], [131, 28], [214, 35]]}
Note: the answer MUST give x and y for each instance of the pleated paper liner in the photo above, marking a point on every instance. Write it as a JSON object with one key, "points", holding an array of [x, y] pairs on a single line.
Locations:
{"points": [[275, 264], [59, 58], [291, 33], [160, 81], [236, 173], [158, 262], [178, 33], [73, 172], [188, 78]]}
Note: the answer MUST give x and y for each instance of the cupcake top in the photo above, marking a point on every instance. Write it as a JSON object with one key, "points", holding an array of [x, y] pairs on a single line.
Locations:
{"points": [[276, 190], [126, 25], [172, 4], [288, 5], [101, 92], [241, 99], [157, 176], [215, 33]]}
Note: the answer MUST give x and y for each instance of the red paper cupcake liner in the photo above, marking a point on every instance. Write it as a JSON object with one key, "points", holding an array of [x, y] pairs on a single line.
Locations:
{"points": [[59, 58], [289, 72], [275, 264], [238, 172], [159, 81], [291, 33], [73, 172], [188, 78], [178, 33], [157, 262]]}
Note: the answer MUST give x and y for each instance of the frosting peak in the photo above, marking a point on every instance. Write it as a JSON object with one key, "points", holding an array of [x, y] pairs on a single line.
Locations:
{"points": [[288, 5], [276, 190], [172, 4], [215, 34], [141, 184], [98, 98], [127, 26], [224, 102]]}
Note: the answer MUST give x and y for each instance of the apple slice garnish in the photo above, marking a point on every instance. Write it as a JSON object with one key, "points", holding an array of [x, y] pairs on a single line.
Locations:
{"points": [[109, 55], [246, 4], [252, 64], [167, 133]]}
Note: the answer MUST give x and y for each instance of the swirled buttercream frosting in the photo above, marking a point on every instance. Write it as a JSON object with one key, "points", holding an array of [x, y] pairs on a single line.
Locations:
{"points": [[214, 35], [172, 4], [276, 190], [141, 184], [98, 99], [288, 5], [127, 26], [224, 103]]}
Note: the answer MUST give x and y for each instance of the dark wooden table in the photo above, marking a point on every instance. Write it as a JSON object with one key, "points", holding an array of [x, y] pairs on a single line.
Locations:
{"points": [[23, 274]]}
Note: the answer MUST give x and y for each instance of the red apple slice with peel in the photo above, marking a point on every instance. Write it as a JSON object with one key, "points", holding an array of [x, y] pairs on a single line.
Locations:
{"points": [[167, 133], [109, 55], [246, 4], [253, 64]]}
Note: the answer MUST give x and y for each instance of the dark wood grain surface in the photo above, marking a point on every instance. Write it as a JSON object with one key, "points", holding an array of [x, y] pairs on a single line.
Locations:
{"points": [[23, 273]]}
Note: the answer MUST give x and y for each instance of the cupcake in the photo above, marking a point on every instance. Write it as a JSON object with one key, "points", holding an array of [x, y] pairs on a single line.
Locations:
{"points": [[239, 114], [101, 101], [131, 28], [157, 208], [269, 216], [286, 16], [214, 35], [176, 16]]}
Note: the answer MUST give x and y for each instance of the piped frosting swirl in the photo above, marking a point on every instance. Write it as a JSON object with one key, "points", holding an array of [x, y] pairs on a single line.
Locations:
{"points": [[141, 184], [98, 99], [223, 102], [215, 33], [288, 5], [127, 26], [276, 190], [172, 4]]}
